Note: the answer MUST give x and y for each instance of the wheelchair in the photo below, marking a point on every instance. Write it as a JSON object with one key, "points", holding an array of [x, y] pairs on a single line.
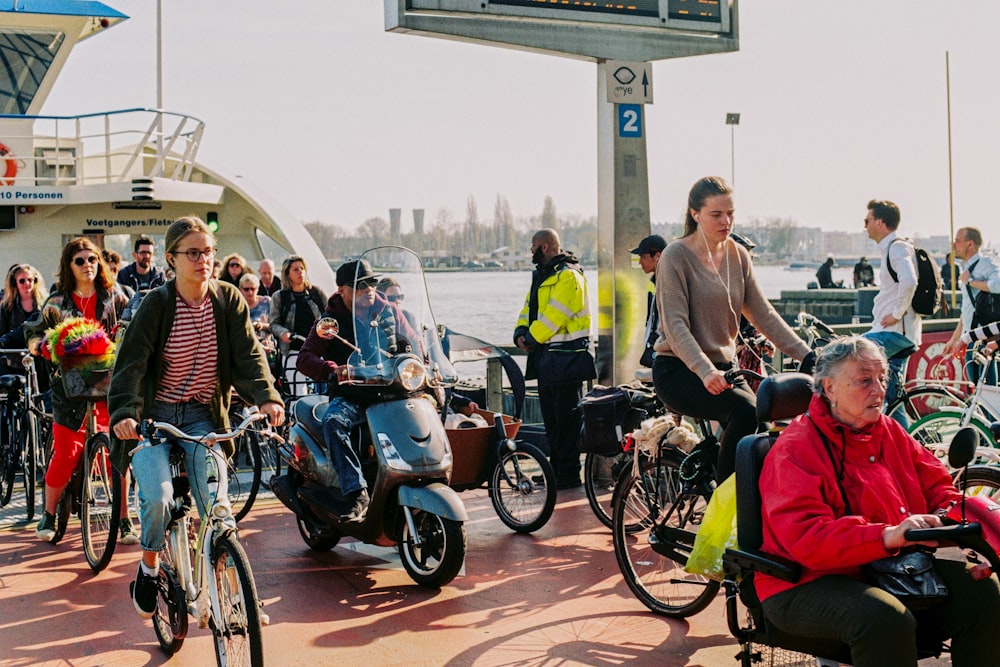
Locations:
{"points": [[780, 398]]}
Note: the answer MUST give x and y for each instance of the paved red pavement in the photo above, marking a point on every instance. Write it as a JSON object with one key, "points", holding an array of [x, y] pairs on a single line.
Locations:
{"points": [[550, 599]]}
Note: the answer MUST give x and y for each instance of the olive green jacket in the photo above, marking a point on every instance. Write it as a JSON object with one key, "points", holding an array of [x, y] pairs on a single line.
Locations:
{"points": [[139, 365]]}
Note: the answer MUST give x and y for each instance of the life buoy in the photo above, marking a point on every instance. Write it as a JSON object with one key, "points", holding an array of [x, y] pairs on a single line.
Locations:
{"points": [[11, 171]]}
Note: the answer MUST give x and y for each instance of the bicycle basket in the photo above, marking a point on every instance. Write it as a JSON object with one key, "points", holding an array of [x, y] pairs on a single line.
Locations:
{"points": [[86, 376]]}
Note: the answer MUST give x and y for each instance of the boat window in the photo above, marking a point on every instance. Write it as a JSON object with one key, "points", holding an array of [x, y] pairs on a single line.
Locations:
{"points": [[25, 57]]}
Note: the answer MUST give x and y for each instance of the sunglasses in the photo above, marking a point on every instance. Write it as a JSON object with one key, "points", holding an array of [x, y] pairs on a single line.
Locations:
{"points": [[366, 283], [233, 265], [394, 297], [248, 289], [80, 261], [27, 281]]}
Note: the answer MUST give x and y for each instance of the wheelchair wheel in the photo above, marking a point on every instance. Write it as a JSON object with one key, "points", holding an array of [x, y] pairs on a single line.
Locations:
{"points": [[655, 518]]}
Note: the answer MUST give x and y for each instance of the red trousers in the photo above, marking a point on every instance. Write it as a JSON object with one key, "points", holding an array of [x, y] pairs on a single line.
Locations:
{"points": [[67, 446]]}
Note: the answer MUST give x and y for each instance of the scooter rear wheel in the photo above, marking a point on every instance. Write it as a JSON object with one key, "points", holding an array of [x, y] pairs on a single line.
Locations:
{"points": [[315, 537]]}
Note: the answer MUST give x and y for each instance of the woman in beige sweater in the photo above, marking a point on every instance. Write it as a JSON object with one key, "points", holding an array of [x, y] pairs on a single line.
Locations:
{"points": [[704, 282]]}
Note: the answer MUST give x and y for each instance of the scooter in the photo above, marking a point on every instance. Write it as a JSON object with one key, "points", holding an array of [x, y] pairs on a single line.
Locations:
{"points": [[405, 455]]}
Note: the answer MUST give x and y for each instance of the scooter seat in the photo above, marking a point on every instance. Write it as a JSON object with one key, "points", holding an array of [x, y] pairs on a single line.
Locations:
{"points": [[11, 381], [308, 411]]}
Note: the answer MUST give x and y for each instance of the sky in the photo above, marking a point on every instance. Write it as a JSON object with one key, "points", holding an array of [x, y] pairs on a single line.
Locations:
{"points": [[840, 102]]}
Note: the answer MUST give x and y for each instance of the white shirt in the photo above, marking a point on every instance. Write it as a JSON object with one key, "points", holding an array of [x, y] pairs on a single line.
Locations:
{"points": [[893, 297], [986, 271]]}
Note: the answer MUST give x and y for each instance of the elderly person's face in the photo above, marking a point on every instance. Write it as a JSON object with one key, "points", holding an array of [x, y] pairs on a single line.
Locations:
{"points": [[266, 271], [856, 390]]}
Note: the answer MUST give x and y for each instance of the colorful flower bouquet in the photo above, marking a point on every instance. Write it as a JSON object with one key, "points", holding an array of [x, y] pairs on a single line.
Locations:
{"points": [[85, 355]]}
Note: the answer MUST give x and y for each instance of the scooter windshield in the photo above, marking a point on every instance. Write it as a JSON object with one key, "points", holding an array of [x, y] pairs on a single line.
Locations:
{"points": [[392, 313]]}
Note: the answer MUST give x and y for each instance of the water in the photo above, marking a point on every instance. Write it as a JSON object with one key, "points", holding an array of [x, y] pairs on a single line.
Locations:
{"points": [[485, 304]]}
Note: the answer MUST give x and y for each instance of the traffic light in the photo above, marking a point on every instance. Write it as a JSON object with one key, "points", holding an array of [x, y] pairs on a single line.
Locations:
{"points": [[212, 220]]}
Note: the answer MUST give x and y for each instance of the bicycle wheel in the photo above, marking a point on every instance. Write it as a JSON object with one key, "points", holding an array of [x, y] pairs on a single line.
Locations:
{"points": [[100, 503], [238, 640], [935, 432], [600, 474], [244, 482], [665, 513], [525, 502], [28, 461], [170, 619], [8, 454], [927, 400], [980, 480]]}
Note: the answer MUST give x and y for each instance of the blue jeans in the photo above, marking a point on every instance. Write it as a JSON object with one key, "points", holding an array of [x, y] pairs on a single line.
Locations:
{"points": [[151, 470], [342, 415], [897, 348], [972, 370]]}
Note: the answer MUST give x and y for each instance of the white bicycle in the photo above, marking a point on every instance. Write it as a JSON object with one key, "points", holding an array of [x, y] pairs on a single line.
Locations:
{"points": [[204, 570]]}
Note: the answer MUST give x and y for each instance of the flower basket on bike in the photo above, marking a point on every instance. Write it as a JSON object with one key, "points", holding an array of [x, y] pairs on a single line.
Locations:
{"points": [[470, 448], [84, 355]]}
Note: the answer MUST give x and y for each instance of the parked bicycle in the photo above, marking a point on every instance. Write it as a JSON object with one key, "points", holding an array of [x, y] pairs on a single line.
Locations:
{"points": [[204, 571], [253, 464], [26, 428]]}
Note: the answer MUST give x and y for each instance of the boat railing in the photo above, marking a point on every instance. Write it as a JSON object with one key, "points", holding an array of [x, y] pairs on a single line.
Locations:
{"points": [[105, 147]]}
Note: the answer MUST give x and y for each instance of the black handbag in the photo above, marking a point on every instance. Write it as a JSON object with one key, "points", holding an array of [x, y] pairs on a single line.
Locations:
{"points": [[910, 577]]}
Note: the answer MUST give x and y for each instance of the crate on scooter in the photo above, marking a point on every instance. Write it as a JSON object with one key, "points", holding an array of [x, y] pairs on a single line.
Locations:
{"points": [[471, 448]]}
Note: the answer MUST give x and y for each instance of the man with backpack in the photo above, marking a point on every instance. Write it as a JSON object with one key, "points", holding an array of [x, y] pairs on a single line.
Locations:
{"points": [[981, 279], [896, 326]]}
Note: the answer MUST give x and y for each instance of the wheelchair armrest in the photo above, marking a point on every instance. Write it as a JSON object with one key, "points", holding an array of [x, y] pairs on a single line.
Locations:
{"points": [[758, 561]]}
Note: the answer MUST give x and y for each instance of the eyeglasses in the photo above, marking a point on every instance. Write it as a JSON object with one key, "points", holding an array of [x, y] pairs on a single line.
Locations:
{"points": [[80, 261], [394, 297], [144, 252], [366, 283], [233, 265], [29, 281], [194, 255]]}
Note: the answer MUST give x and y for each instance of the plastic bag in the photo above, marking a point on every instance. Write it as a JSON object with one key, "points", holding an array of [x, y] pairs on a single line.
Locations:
{"points": [[717, 532]]}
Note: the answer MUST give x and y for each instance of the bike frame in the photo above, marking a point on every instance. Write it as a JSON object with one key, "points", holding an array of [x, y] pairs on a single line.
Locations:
{"points": [[193, 580]]}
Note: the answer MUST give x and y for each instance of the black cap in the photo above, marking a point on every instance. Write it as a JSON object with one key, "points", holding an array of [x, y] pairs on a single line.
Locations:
{"points": [[651, 244], [350, 273]]}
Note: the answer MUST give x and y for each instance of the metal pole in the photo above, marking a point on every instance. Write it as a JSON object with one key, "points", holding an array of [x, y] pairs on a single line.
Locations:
{"points": [[951, 192], [159, 82], [732, 153]]}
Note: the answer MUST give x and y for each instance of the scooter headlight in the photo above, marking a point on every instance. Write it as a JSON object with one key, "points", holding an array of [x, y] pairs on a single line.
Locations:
{"points": [[411, 374]]}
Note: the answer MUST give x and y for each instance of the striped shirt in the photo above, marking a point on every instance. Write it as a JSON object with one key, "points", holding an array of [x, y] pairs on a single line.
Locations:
{"points": [[190, 361]]}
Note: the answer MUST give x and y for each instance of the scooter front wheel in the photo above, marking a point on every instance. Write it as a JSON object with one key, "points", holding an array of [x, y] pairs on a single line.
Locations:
{"points": [[434, 556]]}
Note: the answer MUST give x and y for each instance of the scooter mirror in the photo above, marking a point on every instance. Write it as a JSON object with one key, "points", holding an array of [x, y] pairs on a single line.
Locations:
{"points": [[327, 328], [963, 447]]}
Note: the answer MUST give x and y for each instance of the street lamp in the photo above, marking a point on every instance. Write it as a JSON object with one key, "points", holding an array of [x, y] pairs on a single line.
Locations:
{"points": [[732, 120]]}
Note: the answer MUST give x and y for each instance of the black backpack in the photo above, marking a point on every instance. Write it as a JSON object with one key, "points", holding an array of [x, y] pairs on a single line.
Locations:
{"points": [[930, 292]]}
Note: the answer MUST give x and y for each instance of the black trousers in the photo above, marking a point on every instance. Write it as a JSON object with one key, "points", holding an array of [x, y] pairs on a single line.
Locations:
{"points": [[683, 392], [562, 425]]}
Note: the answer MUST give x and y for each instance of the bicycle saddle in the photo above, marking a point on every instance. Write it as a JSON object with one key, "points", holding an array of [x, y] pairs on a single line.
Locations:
{"points": [[11, 381]]}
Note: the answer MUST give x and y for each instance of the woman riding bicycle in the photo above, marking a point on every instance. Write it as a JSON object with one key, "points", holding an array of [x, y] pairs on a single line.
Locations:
{"points": [[840, 488], [84, 288], [704, 282], [166, 371]]}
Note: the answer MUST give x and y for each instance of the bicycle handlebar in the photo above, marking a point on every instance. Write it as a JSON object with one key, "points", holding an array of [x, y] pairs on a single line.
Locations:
{"points": [[149, 428], [733, 374]]}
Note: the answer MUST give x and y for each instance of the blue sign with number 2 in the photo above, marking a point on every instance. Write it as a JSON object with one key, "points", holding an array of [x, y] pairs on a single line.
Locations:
{"points": [[630, 120]]}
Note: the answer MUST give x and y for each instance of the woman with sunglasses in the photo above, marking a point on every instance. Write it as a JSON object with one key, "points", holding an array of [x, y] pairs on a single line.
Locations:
{"points": [[188, 347], [234, 267], [22, 297], [84, 288]]}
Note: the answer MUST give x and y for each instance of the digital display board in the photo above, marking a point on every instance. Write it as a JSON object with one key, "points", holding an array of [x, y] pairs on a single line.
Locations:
{"points": [[634, 8], [627, 30]]}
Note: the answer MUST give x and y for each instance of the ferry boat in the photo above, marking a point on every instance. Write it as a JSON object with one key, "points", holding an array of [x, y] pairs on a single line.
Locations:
{"points": [[111, 175]]}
